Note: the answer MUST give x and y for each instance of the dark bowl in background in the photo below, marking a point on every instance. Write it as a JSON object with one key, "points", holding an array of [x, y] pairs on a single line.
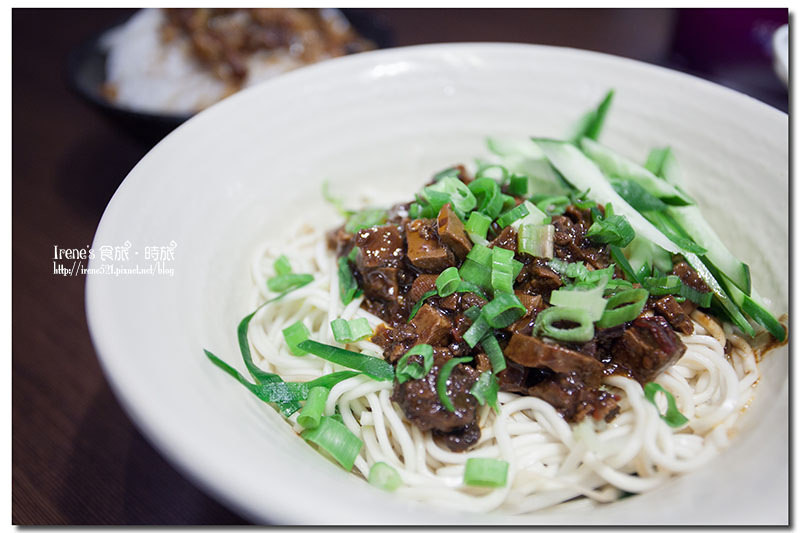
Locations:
{"points": [[86, 73]]}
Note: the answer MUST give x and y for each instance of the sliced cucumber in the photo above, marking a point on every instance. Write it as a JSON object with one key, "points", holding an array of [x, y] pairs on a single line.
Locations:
{"points": [[726, 304], [583, 174], [591, 123], [612, 164], [663, 163], [694, 224]]}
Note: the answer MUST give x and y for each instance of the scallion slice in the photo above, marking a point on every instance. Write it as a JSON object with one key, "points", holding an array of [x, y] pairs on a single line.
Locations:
{"points": [[374, 367], [487, 192], [536, 240], [444, 376], [283, 282], [282, 265], [476, 227], [672, 416], [512, 215], [485, 472], [450, 190], [451, 172], [502, 280], [311, 413], [476, 331], [384, 477], [611, 229], [477, 267], [623, 307], [518, 185], [365, 219], [338, 441], [493, 172], [591, 300], [420, 303], [294, 335], [345, 331], [348, 286], [406, 370], [583, 331], [448, 281], [504, 309], [551, 205], [494, 353], [485, 390]]}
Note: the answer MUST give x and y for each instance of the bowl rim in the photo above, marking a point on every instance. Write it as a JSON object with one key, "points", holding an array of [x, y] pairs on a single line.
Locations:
{"points": [[170, 444]]}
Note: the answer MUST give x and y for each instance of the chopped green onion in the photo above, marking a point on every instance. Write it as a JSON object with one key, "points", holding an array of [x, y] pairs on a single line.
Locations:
{"points": [[672, 417], [477, 267], [448, 281], [365, 219], [551, 205], [536, 240], [476, 227], [415, 211], [485, 171], [477, 331], [350, 330], [466, 286], [451, 172], [406, 370], [282, 265], [485, 472], [615, 286], [384, 477], [311, 413], [504, 309], [512, 215], [348, 286], [590, 300], [485, 390], [487, 192], [473, 313], [502, 280], [622, 262], [494, 353], [545, 324], [623, 307], [535, 216], [518, 185], [338, 441], [611, 229], [283, 282], [294, 335], [420, 303], [516, 268], [374, 367], [444, 376], [450, 190]]}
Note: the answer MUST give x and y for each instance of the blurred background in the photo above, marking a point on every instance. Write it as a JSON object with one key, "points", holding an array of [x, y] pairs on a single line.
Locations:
{"points": [[77, 458]]}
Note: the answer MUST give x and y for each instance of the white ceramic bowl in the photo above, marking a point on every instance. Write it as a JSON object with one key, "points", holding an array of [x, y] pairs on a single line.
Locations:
{"points": [[248, 166]]}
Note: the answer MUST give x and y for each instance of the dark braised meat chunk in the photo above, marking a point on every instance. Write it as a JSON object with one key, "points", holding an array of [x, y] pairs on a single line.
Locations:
{"points": [[379, 258], [506, 239], [689, 277], [574, 400], [451, 232], [517, 378], [460, 439], [533, 305], [422, 284], [570, 244], [424, 249], [420, 402], [431, 326], [647, 348], [538, 278], [673, 312], [536, 353]]}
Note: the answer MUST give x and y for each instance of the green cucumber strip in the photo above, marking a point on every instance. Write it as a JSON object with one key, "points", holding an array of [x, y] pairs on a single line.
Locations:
{"points": [[750, 307], [590, 124], [663, 163], [583, 174], [726, 304], [614, 165], [695, 225], [673, 231]]}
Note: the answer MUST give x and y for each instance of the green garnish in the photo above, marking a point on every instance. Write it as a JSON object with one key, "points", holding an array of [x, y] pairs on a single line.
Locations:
{"points": [[406, 370], [672, 417], [374, 367], [485, 472]]}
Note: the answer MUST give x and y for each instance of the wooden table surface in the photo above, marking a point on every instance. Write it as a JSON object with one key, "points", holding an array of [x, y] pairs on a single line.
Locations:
{"points": [[77, 458]]}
